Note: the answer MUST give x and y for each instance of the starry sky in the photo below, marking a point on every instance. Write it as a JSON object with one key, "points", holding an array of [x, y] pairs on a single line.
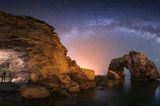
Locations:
{"points": [[96, 31]]}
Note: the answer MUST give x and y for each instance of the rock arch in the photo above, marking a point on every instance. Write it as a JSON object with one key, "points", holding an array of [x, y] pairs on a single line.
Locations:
{"points": [[140, 67]]}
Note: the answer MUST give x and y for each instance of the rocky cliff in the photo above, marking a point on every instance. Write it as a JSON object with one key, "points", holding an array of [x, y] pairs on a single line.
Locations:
{"points": [[43, 55]]}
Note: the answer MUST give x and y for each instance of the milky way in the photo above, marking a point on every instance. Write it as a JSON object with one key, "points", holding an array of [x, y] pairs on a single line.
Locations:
{"points": [[96, 31]]}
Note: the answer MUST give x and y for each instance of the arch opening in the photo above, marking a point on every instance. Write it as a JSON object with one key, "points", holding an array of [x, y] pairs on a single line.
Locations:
{"points": [[127, 74]]}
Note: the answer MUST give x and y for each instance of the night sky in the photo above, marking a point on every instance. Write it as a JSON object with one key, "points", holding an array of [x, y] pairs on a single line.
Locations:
{"points": [[95, 31]]}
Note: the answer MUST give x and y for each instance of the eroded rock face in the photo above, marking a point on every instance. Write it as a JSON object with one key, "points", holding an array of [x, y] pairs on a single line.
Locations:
{"points": [[43, 51], [43, 55], [140, 67]]}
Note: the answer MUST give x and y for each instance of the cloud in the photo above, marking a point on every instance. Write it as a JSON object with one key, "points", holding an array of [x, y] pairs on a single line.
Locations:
{"points": [[158, 40]]}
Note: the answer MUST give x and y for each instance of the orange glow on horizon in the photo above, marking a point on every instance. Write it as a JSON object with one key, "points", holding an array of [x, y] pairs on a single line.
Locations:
{"points": [[92, 53]]}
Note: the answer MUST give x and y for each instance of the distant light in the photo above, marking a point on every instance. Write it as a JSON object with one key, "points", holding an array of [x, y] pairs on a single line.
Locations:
{"points": [[156, 60]]}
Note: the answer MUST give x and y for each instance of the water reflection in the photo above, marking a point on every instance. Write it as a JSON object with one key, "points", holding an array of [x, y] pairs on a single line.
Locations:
{"points": [[144, 88], [131, 93]]}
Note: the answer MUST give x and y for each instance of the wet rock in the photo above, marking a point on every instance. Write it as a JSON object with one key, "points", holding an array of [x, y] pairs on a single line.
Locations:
{"points": [[32, 91], [113, 83]]}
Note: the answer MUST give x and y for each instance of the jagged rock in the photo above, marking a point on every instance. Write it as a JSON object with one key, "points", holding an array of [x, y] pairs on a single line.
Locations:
{"points": [[87, 85], [74, 87], [52, 83], [68, 83], [31, 91], [84, 77], [89, 73], [140, 67], [100, 80], [108, 81]]}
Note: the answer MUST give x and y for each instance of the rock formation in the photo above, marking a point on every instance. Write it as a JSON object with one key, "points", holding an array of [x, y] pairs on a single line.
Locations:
{"points": [[84, 77], [32, 91], [41, 62], [44, 57], [140, 67]]}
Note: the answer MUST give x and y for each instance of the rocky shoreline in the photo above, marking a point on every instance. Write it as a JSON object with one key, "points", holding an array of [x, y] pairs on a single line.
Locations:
{"points": [[50, 70]]}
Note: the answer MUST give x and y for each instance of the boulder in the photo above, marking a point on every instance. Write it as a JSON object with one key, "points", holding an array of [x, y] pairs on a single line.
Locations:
{"points": [[74, 87], [113, 75], [52, 83], [32, 91], [68, 83]]}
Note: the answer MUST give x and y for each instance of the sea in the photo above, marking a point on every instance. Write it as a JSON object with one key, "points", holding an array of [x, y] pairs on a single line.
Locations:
{"points": [[130, 93]]}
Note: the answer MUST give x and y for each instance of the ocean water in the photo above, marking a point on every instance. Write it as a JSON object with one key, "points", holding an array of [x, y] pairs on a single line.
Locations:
{"points": [[130, 93]]}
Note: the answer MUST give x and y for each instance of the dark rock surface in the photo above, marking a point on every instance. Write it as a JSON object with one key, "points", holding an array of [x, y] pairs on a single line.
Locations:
{"points": [[9, 87]]}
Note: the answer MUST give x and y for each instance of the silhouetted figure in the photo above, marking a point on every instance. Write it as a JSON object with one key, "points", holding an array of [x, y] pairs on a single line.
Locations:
{"points": [[3, 76]]}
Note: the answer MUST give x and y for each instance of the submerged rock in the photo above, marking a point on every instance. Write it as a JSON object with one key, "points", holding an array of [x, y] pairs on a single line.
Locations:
{"points": [[140, 67]]}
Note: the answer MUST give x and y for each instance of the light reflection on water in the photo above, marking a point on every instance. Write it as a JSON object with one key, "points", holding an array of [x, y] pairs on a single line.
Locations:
{"points": [[131, 93]]}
